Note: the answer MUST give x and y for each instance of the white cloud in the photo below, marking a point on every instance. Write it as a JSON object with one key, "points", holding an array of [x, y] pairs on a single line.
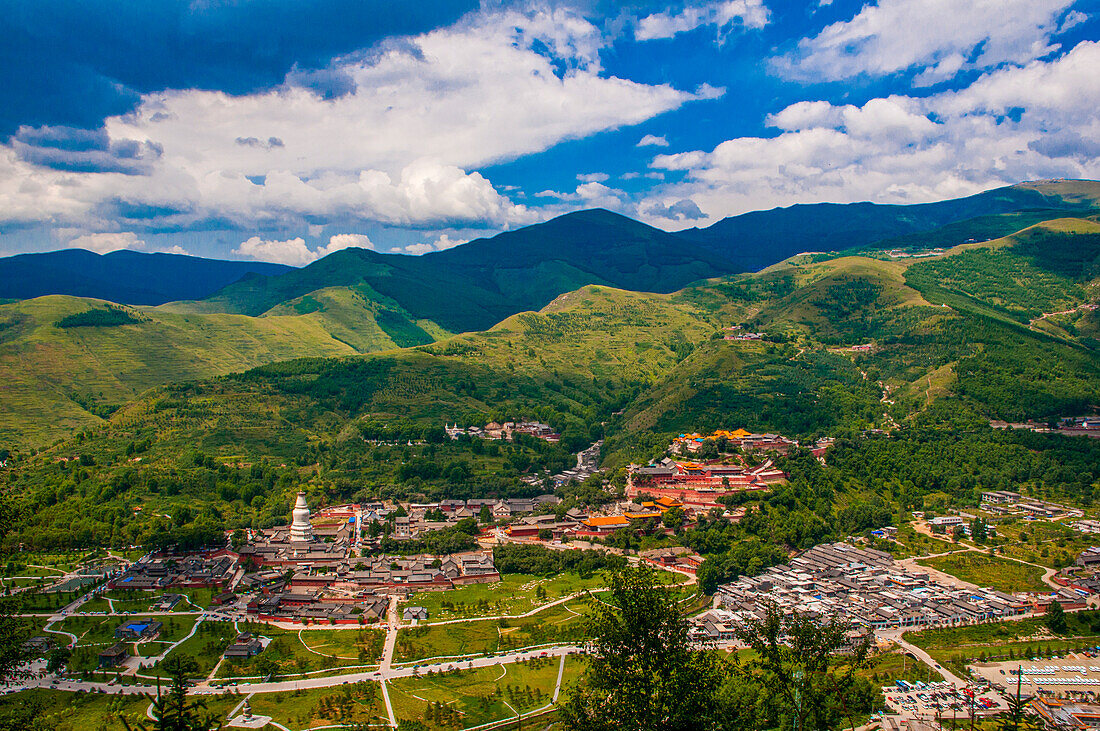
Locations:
{"points": [[593, 177], [399, 148], [745, 13], [103, 243], [593, 194], [884, 38], [443, 242], [653, 141], [899, 149], [344, 241], [175, 249], [294, 252], [418, 249]]}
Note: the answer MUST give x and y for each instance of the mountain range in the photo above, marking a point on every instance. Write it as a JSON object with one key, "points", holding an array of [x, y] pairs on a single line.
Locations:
{"points": [[69, 362], [488, 279], [130, 277]]}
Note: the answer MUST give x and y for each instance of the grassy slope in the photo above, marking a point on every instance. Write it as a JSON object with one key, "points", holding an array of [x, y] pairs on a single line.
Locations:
{"points": [[925, 316], [579, 348], [585, 356], [52, 376]]}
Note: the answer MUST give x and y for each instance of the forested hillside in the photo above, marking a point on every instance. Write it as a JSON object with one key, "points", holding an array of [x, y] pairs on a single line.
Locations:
{"points": [[939, 356]]}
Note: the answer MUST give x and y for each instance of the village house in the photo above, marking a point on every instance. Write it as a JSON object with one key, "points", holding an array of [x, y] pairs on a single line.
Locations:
{"points": [[114, 656], [244, 647]]}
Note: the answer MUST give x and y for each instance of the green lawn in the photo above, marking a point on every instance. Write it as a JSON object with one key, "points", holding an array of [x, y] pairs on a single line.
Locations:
{"points": [[475, 696], [292, 657], [64, 711], [360, 645], [101, 630], [24, 563], [205, 646], [25, 581], [992, 571], [300, 709], [20, 569], [1043, 542], [50, 601], [560, 623], [513, 594]]}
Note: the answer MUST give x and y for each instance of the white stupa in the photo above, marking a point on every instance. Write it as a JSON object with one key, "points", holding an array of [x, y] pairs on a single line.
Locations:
{"points": [[300, 529]]}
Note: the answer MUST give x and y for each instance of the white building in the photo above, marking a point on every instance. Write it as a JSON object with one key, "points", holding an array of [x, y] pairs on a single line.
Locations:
{"points": [[300, 528]]}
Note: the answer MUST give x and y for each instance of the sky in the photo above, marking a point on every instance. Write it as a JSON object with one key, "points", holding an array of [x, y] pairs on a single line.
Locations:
{"points": [[284, 130]]}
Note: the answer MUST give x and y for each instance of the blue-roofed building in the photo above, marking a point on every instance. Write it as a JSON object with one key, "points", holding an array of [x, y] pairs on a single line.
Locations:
{"points": [[135, 630]]}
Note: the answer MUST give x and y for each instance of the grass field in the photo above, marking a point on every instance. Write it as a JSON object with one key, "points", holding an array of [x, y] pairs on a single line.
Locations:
{"points": [[205, 646], [513, 594], [560, 623], [101, 630], [94, 634], [48, 601], [465, 698], [25, 563], [292, 657], [1043, 542], [301, 709], [992, 571], [62, 711], [346, 644]]}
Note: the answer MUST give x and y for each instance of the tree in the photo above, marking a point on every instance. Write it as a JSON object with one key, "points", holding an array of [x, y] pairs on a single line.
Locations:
{"points": [[238, 539], [1015, 719], [58, 658], [800, 665], [545, 534], [643, 673], [172, 711], [1056, 618], [14, 630], [673, 518], [485, 515], [266, 667]]}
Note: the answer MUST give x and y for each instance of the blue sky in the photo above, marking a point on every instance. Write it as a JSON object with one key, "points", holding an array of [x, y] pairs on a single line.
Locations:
{"points": [[285, 130]]}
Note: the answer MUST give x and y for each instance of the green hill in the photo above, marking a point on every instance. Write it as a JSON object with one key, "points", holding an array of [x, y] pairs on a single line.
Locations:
{"points": [[597, 361], [476, 285], [60, 379]]}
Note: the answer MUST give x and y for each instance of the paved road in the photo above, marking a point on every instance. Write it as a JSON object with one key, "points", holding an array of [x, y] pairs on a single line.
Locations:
{"points": [[48, 681], [896, 636]]}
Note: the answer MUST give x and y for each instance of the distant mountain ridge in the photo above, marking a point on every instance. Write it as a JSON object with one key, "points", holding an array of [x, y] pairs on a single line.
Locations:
{"points": [[755, 240], [475, 285], [129, 277]]}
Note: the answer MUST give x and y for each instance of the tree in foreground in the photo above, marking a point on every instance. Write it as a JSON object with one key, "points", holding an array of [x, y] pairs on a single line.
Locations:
{"points": [[809, 667], [1016, 719], [172, 711], [643, 673]]}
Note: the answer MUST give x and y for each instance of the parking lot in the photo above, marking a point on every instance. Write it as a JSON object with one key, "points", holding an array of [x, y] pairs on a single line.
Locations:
{"points": [[1077, 673], [942, 699]]}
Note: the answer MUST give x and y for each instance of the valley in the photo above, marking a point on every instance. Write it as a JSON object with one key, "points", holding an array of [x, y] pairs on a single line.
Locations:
{"points": [[453, 556]]}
